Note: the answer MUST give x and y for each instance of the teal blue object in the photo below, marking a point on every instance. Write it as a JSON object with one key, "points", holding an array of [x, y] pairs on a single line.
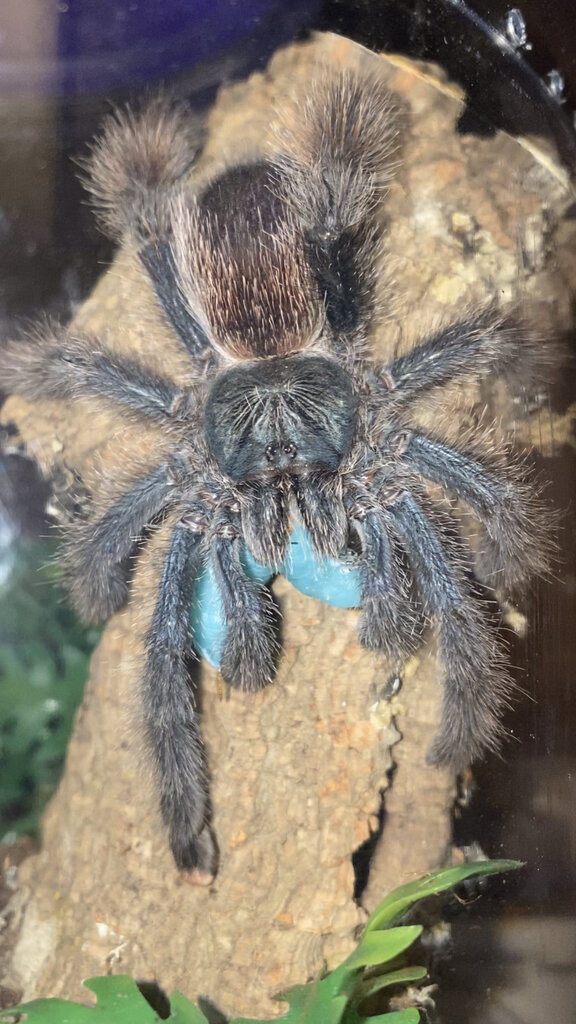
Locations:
{"points": [[207, 615], [336, 581]]}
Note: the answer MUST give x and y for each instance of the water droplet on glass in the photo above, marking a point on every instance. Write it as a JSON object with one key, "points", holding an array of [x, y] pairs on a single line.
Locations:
{"points": [[515, 28], [555, 84]]}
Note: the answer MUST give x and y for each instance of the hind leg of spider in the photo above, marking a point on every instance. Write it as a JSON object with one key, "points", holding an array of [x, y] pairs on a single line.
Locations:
{"points": [[335, 177], [135, 174], [171, 716]]}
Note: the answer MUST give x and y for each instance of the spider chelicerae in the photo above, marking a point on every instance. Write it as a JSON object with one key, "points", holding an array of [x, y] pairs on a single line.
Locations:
{"points": [[268, 277]]}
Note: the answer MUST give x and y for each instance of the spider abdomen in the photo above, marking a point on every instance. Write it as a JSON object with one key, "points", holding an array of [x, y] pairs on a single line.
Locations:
{"points": [[241, 258]]}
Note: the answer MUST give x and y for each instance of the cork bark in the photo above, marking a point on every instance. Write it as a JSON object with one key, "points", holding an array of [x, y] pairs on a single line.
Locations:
{"points": [[298, 770]]}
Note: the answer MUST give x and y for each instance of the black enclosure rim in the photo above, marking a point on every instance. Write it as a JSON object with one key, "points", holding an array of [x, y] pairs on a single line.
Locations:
{"points": [[502, 90]]}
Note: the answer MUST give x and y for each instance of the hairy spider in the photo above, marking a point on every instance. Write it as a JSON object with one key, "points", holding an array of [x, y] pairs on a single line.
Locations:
{"points": [[267, 276]]}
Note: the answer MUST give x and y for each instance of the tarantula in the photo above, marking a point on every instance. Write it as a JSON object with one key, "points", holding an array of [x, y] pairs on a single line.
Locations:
{"points": [[268, 277]]}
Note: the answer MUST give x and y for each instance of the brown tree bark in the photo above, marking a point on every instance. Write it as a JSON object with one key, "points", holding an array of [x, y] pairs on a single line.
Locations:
{"points": [[296, 770]]}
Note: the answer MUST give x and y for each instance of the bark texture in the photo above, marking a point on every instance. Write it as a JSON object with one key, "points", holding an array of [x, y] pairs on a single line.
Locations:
{"points": [[296, 770]]}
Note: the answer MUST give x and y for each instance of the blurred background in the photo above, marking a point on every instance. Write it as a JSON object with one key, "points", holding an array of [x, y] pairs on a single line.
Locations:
{"points": [[62, 64]]}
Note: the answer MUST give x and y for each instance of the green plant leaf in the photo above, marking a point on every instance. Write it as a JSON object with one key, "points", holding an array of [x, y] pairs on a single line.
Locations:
{"points": [[119, 1001], [403, 976], [395, 905], [409, 1016], [380, 947], [325, 1001], [185, 1012], [314, 1003]]}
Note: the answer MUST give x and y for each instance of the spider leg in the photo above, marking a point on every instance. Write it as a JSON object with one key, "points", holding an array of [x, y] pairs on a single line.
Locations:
{"points": [[158, 259], [170, 712], [98, 553], [477, 686], [389, 622], [336, 149], [248, 657], [135, 175], [507, 507], [485, 343], [59, 365]]}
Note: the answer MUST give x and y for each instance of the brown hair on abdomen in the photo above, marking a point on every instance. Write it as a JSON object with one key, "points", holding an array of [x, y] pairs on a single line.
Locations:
{"points": [[241, 259]]}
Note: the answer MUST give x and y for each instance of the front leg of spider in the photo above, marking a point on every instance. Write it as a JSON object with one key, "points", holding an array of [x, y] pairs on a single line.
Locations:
{"points": [[249, 640], [170, 712]]}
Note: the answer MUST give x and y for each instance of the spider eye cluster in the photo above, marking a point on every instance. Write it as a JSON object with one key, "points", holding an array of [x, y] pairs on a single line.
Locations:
{"points": [[280, 415]]}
